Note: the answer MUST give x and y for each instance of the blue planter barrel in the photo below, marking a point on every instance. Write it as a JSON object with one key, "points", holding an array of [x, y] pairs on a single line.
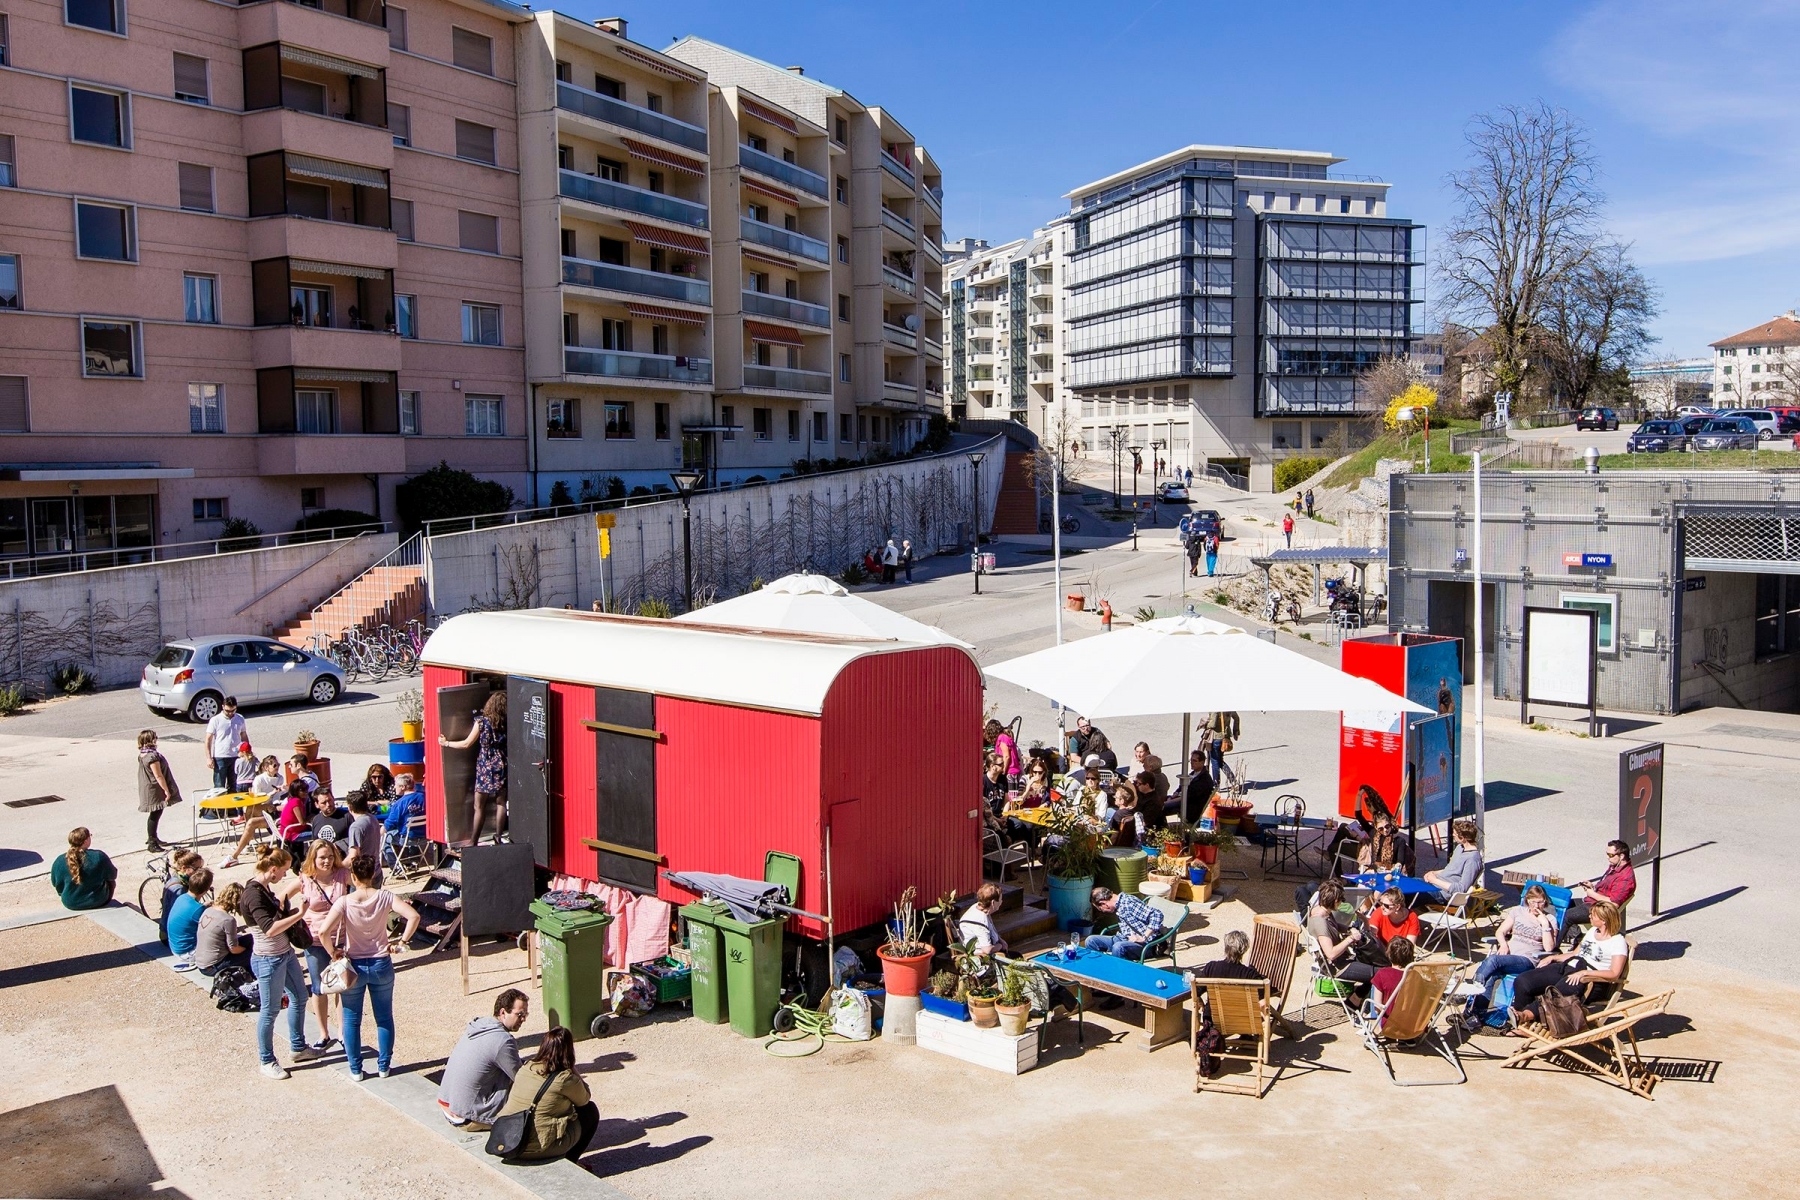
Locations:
{"points": [[405, 752], [1070, 899]]}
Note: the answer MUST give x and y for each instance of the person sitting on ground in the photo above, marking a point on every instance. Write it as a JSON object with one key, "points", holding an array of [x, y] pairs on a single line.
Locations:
{"points": [[565, 1115], [1400, 952], [330, 820], [1391, 918], [216, 938], [977, 922], [1337, 941], [184, 916], [1463, 872], [1526, 934], [1616, 886], [364, 835], [83, 877], [245, 768], [479, 1073], [1598, 963], [378, 785], [182, 863], [1139, 923]]}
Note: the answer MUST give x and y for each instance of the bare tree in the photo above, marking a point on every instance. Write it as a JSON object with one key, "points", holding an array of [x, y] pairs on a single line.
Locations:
{"points": [[1527, 203], [1389, 377], [1596, 320]]}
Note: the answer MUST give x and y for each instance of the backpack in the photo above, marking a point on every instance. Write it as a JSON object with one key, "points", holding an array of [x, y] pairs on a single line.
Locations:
{"points": [[235, 990]]}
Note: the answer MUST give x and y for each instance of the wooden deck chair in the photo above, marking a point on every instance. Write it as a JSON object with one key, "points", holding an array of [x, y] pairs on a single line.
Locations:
{"points": [[1240, 1009], [1274, 944], [1410, 1018], [1604, 1030]]}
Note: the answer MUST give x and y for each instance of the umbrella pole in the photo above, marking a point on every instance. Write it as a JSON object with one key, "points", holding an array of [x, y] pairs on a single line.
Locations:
{"points": [[1187, 723]]}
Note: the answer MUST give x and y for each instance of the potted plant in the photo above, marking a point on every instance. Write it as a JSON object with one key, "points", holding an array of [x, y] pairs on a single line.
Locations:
{"points": [[411, 704], [906, 958], [1175, 839], [1013, 1008], [1072, 850], [307, 742], [974, 989], [940, 996], [1208, 843]]}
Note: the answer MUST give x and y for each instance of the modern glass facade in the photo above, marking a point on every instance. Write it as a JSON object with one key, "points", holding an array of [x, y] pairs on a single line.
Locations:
{"points": [[1015, 280], [959, 334]]}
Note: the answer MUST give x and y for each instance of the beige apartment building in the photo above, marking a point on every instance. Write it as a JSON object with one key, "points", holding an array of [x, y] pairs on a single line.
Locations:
{"points": [[256, 261], [1004, 306]]}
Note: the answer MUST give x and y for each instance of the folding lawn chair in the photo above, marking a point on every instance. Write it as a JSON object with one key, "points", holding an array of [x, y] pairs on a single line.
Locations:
{"points": [[1409, 1020], [1444, 924], [1602, 1032], [1240, 1009], [1274, 943], [1322, 985]]}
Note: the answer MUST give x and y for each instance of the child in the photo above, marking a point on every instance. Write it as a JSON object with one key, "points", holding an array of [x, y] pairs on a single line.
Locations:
{"points": [[1387, 979], [245, 768]]}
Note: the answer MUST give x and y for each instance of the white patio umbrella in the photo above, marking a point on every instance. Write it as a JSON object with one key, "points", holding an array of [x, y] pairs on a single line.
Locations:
{"points": [[807, 603]]}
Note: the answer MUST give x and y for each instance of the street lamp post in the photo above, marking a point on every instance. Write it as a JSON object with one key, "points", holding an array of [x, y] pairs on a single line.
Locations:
{"points": [[975, 458], [685, 483]]}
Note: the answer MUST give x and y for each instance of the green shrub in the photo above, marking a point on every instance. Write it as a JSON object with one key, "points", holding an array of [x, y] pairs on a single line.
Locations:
{"points": [[12, 698], [651, 606], [853, 575], [1290, 472], [236, 533], [559, 493], [71, 680], [444, 492], [347, 522]]}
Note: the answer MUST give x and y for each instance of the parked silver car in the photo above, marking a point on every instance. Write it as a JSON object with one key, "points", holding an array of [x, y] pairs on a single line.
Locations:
{"points": [[193, 676]]}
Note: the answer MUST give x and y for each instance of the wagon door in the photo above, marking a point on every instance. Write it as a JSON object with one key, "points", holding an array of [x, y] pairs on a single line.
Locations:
{"points": [[456, 716], [625, 737], [531, 763]]}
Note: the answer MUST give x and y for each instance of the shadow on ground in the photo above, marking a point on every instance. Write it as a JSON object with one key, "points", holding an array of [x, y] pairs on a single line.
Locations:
{"points": [[79, 1146]]}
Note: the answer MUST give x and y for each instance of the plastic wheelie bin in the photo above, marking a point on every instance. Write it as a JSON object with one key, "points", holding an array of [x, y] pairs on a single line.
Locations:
{"points": [[573, 945], [752, 973], [705, 943]]}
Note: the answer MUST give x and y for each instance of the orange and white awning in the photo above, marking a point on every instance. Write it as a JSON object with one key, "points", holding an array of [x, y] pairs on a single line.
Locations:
{"points": [[660, 66], [772, 192], [774, 335], [667, 158], [772, 259], [762, 111], [652, 235], [655, 312]]}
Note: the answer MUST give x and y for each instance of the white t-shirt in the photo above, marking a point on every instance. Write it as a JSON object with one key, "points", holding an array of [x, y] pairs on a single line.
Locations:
{"points": [[227, 734], [978, 925], [1599, 952]]}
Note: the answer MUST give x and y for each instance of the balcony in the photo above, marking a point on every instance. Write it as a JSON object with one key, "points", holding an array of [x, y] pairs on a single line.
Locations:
{"points": [[300, 185], [898, 170], [300, 78], [787, 379], [896, 335], [900, 391], [798, 311], [1042, 317], [575, 99], [330, 454], [934, 350], [792, 174], [573, 185], [1042, 377], [623, 364], [935, 299], [898, 224], [900, 283], [933, 249], [786, 240], [611, 277], [343, 348], [300, 132], [934, 199]]}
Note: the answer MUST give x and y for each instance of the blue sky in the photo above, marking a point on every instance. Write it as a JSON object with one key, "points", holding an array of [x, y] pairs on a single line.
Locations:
{"points": [[1694, 109]]}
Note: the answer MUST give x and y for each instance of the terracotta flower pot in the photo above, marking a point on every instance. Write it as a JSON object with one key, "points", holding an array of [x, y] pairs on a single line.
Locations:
{"points": [[1013, 1018], [1076, 601], [1172, 849], [981, 1010], [310, 749], [1206, 855], [904, 975]]}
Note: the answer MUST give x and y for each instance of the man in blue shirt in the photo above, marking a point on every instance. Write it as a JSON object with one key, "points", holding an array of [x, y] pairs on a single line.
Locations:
{"points": [[1138, 923], [409, 802]]}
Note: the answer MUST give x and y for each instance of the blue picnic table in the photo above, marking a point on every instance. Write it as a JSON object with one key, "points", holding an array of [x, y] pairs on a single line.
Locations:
{"points": [[1163, 994], [1381, 881]]}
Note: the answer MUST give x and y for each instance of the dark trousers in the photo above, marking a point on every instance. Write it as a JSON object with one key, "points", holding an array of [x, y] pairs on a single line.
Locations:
{"points": [[225, 773], [589, 1116], [887, 572], [1532, 984], [150, 826], [1574, 921]]}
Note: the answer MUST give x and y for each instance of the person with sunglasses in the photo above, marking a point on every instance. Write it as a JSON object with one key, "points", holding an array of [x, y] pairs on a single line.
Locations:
{"points": [[1616, 885]]}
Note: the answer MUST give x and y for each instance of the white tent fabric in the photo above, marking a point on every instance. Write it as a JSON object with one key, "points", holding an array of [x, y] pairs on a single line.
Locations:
{"points": [[1190, 664], [807, 603]]}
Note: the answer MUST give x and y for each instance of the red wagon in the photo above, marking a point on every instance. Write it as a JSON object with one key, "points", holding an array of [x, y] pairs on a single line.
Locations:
{"points": [[637, 745]]}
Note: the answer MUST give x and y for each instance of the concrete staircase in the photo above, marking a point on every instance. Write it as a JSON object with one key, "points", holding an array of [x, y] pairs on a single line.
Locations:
{"points": [[1022, 917], [1016, 508], [382, 595]]}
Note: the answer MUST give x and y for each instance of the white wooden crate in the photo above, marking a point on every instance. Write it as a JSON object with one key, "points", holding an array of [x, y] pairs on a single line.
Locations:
{"points": [[988, 1048]]}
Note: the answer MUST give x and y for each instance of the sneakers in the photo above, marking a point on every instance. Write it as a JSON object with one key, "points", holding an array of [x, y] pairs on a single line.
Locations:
{"points": [[327, 1044], [381, 1073], [356, 1077], [308, 1054], [274, 1070]]}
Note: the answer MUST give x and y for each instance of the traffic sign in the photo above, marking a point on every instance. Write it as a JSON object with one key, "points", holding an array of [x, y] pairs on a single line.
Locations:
{"points": [[605, 520]]}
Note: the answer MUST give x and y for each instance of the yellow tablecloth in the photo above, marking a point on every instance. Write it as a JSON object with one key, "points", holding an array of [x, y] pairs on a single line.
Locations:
{"points": [[232, 801], [1031, 816]]}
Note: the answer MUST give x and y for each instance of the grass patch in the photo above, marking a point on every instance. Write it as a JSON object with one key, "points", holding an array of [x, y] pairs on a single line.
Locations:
{"points": [[1361, 465], [1704, 460]]}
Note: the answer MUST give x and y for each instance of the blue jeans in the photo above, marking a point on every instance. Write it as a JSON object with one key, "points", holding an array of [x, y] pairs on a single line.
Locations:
{"points": [[317, 959], [225, 772], [1118, 947], [1492, 970], [374, 976], [276, 974], [1212, 563]]}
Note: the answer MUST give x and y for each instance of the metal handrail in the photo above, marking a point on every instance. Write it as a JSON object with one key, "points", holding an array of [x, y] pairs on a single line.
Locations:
{"points": [[157, 551], [409, 553]]}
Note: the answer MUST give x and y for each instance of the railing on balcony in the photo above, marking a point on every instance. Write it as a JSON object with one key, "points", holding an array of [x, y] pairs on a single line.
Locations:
{"points": [[1042, 316], [763, 304], [898, 224], [577, 186], [900, 336], [934, 196], [778, 238], [622, 364], [775, 168], [934, 349], [369, 12], [582, 272], [899, 282], [787, 379], [935, 299], [897, 169], [629, 116]]}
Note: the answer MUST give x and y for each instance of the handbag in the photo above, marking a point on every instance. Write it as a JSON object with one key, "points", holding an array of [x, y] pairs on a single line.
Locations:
{"points": [[337, 977], [508, 1133], [1563, 1015]]}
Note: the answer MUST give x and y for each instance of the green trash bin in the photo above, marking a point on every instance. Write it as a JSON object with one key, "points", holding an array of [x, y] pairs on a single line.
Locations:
{"points": [[573, 946], [704, 942], [752, 973]]}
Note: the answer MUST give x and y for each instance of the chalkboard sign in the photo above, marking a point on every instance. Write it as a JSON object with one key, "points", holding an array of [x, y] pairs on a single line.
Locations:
{"points": [[497, 889]]}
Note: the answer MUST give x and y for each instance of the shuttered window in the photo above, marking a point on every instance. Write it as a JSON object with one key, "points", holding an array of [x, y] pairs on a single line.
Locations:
{"points": [[190, 79], [474, 141], [196, 187], [15, 411], [403, 220], [400, 124], [478, 231], [471, 51], [396, 23]]}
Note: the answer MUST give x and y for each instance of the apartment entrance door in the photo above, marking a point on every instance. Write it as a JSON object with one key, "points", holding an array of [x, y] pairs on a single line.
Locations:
{"points": [[50, 526]]}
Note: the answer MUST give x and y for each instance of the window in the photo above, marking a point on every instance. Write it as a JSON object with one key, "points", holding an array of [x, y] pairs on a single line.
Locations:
{"points": [[311, 306], [471, 51], [98, 118], [760, 421], [5, 43], [609, 169], [793, 424], [104, 231], [206, 408], [200, 297], [409, 404], [1343, 204], [846, 430], [565, 158], [7, 178], [821, 428], [108, 16], [562, 419], [402, 215], [196, 186], [209, 508], [608, 87], [1368, 206], [618, 420], [843, 190], [759, 281], [656, 183], [615, 334], [400, 123], [843, 307], [728, 418], [481, 324], [571, 330], [109, 349], [15, 404], [396, 23], [474, 142], [612, 251], [659, 339], [844, 367], [315, 410], [9, 281], [312, 497], [787, 156], [485, 416], [478, 231], [843, 249], [840, 131], [758, 142], [406, 316], [1607, 606], [653, 102], [190, 79], [662, 421]]}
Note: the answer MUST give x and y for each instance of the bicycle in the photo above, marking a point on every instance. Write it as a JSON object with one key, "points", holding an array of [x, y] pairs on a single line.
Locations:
{"points": [[1069, 524], [161, 873]]}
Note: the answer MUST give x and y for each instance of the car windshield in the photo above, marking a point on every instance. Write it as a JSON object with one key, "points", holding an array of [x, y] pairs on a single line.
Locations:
{"points": [[1659, 427], [1207, 514], [172, 656], [1727, 426]]}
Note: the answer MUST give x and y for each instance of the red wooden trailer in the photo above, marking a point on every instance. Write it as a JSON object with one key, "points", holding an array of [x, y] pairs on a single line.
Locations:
{"points": [[637, 745]]}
